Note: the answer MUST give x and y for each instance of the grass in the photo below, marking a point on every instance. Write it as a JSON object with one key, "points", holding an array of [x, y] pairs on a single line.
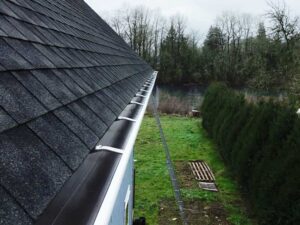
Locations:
{"points": [[187, 141]]}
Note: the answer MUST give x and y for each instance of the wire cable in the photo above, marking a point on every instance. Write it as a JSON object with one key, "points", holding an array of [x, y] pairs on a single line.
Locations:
{"points": [[174, 181]]}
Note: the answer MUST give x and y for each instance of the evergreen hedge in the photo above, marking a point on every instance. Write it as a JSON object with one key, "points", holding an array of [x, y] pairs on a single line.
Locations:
{"points": [[261, 145]]}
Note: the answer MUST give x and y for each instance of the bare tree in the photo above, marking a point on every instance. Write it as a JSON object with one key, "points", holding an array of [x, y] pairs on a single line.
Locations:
{"points": [[142, 29], [284, 25], [247, 29]]}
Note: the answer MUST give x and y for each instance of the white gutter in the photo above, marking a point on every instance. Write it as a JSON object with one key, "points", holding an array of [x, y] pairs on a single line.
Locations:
{"points": [[106, 210]]}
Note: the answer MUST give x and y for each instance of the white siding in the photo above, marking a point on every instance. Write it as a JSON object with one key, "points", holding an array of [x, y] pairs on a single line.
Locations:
{"points": [[118, 215]]}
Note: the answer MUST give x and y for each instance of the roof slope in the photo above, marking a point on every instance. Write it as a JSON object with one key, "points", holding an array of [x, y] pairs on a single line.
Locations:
{"points": [[65, 76]]}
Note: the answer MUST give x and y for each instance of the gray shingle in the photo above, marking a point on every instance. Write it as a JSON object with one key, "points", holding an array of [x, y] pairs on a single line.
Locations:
{"points": [[54, 85], [87, 78], [55, 58], [62, 140], [90, 56], [102, 73], [83, 58], [88, 117], [30, 53], [69, 82], [22, 13], [94, 83], [77, 126], [122, 93], [109, 92], [17, 101], [24, 29], [36, 31], [41, 19], [81, 83], [99, 78], [109, 102], [37, 89], [2, 68], [29, 170], [2, 33], [23, 3], [6, 10], [99, 109], [48, 34], [11, 212], [8, 29], [6, 121], [63, 54], [73, 55], [63, 38], [10, 59], [108, 74]]}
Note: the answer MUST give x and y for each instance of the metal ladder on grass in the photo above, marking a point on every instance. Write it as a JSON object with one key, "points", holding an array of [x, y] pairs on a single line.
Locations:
{"points": [[176, 188]]}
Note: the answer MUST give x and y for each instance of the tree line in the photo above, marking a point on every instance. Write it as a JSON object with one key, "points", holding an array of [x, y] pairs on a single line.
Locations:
{"points": [[236, 50], [239, 53], [260, 143]]}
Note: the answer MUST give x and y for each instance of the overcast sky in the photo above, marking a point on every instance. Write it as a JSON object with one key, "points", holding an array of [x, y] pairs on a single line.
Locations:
{"points": [[200, 14]]}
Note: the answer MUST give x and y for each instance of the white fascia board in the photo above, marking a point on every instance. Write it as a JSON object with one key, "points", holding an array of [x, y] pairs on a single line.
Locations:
{"points": [[107, 207]]}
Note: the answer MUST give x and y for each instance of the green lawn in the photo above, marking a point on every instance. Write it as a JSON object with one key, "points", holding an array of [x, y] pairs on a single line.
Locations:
{"points": [[187, 141]]}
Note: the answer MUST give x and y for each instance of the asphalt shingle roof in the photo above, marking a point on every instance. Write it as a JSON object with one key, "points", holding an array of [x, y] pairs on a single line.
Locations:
{"points": [[65, 76]]}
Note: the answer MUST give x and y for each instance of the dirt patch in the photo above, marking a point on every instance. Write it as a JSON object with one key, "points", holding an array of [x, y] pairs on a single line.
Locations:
{"points": [[185, 175], [197, 213]]}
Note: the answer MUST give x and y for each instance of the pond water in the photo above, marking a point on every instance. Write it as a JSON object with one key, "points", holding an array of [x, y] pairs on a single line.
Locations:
{"points": [[255, 95], [180, 100], [191, 96]]}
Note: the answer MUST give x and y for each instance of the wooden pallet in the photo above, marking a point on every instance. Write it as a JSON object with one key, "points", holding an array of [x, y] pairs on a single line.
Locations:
{"points": [[209, 186], [201, 171]]}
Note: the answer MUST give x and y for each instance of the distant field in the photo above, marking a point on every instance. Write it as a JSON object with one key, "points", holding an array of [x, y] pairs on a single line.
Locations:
{"points": [[154, 196]]}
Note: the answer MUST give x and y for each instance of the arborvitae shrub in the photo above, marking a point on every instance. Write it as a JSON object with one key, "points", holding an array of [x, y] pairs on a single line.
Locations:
{"points": [[261, 144], [253, 142], [263, 175], [213, 100], [238, 121], [225, 111], [236, 104], [239, 145], [287, 194]]}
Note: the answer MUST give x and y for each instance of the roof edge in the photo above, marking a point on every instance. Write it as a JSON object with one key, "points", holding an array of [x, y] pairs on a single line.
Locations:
{"points": [[107, 206], [85, 199]]}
